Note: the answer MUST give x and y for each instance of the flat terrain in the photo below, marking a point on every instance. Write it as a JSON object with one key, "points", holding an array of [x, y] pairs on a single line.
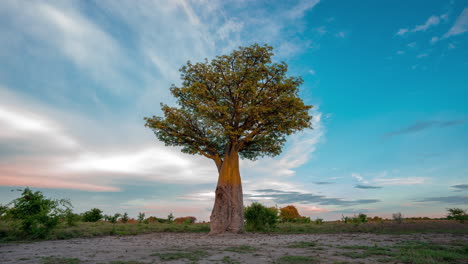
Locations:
{"points": [[245, 248]]}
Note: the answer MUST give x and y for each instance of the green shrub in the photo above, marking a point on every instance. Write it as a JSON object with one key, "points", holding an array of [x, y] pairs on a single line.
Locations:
{"points": [[318, 221], [92, 215], [302, 220], [259, 217], [362, 218], [457, 214], [37, 216]]}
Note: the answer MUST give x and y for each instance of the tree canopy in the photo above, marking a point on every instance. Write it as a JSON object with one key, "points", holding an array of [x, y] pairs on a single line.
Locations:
{"points": [[242, 100]]}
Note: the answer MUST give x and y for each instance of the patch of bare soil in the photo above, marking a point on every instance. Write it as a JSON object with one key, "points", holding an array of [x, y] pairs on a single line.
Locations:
{"points": [[201, 248]]}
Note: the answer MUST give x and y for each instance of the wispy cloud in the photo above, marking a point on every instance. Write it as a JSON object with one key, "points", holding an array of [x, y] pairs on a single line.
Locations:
{"points": [[461, 186], [400, 181], [457, 199], [286, 197], [323, 183], [430, 22], [299, 10], [359, 186], [423, 125], [460, 26]]}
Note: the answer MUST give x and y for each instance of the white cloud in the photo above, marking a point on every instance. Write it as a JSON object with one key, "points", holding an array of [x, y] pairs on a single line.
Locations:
{"points": [[312, 71], [434, 40], [430, 22], [358, 177], [399, 52], [340, 34], [412, 44], [460, 26], [422, 55], [400, 181], [301, 146], [402, 31]]}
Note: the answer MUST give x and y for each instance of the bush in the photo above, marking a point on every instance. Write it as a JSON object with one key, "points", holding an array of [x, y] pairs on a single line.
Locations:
{"points": [[289, 213], [397, 217], [457, 214], [92, 215], [185, 220], [259, 217], [318, 221], [37, 215], [362, 218]]}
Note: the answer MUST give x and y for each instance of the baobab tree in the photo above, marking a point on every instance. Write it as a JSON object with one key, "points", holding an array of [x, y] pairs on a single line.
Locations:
{"points": [[237, 105]]}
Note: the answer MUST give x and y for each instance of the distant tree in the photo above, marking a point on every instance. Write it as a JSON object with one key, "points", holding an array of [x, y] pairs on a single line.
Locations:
{"points": [[170, 218], [124, 218], [141, 217], [92, 215], [112, 218], [397, 217], [457, 214], [237, 105], [289, 213]]}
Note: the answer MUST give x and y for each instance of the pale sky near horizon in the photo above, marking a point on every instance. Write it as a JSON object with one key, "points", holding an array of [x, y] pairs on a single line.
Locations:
{"points": [[388, 81]]}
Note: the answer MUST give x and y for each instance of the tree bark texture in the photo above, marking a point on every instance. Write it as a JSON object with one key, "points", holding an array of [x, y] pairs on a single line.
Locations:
{"points": [[228, 209]]}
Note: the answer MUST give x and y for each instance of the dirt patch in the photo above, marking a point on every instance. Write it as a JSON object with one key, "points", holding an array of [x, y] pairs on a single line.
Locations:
{"points": [[201, 248]]}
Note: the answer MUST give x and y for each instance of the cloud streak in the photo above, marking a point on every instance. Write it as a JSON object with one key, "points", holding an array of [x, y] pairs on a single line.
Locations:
{"points": [[423, 125]]}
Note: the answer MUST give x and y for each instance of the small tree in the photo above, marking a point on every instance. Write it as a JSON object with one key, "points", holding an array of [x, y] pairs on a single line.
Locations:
{"points": [[457, 214], [141, 217], [170, 218], [124, 218], [397, 217], [37, 215], [237, 105], [289, 213], [92, 215]]}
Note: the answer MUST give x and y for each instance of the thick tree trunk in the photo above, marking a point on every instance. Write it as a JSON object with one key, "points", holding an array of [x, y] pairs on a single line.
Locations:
{"points": [[228, 209]]}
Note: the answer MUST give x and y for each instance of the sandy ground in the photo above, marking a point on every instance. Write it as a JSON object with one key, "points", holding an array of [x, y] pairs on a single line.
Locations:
{"points": [[268, 248]]}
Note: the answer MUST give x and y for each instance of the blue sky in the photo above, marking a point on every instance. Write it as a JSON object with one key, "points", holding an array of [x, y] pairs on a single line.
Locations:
{"points": [[388, 81]]}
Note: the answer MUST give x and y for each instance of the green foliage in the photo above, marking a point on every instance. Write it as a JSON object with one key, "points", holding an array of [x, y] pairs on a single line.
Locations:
{"points": [[3, 210], [92, 215], [259, 217], [318, 221], [37, 215], [71, 218], [124, 218], [241, 100], [112, 218], [141, 217], [457, 214], [356, 219]]}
